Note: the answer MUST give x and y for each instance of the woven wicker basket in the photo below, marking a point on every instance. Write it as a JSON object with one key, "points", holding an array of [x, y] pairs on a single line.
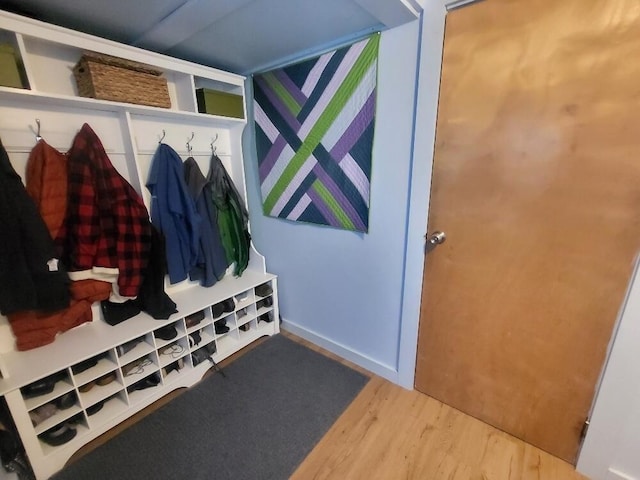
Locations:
{"points": [[110, 78]]}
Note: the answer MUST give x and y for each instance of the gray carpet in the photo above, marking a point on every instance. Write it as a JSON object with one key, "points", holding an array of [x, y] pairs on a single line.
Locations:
{"points": [[259, 423]]}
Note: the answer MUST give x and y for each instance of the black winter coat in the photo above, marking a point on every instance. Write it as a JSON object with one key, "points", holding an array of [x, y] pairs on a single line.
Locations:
{"points": [[31, 278]]}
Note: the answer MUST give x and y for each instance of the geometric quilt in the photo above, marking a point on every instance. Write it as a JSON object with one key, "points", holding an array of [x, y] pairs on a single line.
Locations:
{"points": [[314, 136]]}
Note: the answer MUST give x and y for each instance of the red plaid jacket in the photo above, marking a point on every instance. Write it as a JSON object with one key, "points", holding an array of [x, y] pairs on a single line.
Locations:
{"points": [[107, 229]]}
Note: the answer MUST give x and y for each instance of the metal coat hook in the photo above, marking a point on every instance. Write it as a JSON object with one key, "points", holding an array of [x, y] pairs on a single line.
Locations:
{"points": [[38, 137], [163, 135], [189, 149], [214, 148]]}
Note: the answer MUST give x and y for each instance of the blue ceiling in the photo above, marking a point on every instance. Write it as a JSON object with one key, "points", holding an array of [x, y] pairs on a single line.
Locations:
{"points": [[241, 36]]}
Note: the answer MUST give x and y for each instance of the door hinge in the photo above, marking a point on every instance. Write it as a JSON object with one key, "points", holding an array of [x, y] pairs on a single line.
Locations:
{"points": [[585, 427]]}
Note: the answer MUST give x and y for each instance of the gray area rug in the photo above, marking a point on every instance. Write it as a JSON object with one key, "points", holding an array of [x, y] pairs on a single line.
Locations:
{"points": [[260, 422]]}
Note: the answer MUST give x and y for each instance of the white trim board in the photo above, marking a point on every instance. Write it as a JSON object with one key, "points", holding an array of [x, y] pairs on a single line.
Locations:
{"points": [[427, 94], [385, 371]]}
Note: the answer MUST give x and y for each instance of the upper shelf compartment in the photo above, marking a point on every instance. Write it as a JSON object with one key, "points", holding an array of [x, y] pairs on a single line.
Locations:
{"points": [[49, 54]]}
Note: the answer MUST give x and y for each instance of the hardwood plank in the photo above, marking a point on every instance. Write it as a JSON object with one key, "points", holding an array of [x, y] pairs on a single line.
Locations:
{"points": [[389, 433]]}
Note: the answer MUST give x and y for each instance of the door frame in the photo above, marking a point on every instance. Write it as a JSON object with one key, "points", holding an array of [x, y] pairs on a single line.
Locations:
{"points": [[432, 23]]}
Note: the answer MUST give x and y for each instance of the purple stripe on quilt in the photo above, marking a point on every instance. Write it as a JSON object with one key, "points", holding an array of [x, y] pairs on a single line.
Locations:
{"points": [[291, 87], [272, 156], [339, 196], [277, 104], [355, 130], [322, 207]]}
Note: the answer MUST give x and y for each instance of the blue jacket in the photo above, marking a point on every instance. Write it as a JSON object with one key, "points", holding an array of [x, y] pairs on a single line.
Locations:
{"points": [[212, 260], [173, 212]]}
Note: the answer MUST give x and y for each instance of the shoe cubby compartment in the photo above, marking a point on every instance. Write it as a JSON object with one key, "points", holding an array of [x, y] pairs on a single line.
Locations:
{"points": [[173, 351], [263, 290], [227, 342], [71, 429], [61, 384], [134, 349], [244, 299], [100, 388], [264, 305], [93, 368], [104, 410], [139, 369], [169, 333], [207, 335], [66, 406], [172, 371], [265, 320], [138, 390], [198, 320]]}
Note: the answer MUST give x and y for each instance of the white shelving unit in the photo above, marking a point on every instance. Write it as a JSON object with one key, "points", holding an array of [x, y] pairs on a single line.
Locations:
{"points": [[130, 134]]}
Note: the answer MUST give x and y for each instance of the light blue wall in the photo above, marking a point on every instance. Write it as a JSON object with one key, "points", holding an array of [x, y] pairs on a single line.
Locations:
{"points": [[340, 289]]}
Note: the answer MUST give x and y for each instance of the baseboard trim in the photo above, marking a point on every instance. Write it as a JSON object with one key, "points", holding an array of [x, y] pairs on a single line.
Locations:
{"points": [[345, 352], [616, 475]]}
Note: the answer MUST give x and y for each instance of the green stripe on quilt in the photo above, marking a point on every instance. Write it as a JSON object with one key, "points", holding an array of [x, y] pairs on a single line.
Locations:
{"points": [[282, 93], [333, 205]]}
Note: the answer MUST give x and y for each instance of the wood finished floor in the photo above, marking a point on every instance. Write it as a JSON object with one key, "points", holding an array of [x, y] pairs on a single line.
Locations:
{"points": [[390, 433]]}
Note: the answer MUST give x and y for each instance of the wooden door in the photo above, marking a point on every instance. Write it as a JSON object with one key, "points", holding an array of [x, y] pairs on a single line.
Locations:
{"points": [[537, 185]]}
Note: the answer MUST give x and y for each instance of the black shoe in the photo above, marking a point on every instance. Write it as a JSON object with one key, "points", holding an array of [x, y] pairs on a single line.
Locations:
{"points": [[95, 408], [85, 365], [229, 305], [67, 400], [217, 309], [194, 318], [168, 332], [58, 435], [220, 328], [265, 302], [264, 290], [150, 381], [265, 317]]}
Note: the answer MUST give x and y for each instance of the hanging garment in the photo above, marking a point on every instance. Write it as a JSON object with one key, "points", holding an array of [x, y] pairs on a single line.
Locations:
{"points": [[232, 216], [173, 212], [212, 260], [34, 329], [152, 297], [107, 231], [47, 186], [46, 183], [31, 276]]}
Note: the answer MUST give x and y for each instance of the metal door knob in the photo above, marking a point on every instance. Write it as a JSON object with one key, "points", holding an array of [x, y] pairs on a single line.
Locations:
{"points": [[435, 239]]}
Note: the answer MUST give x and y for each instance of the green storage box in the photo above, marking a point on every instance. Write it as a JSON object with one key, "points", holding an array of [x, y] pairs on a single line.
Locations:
{"points": [[9, 74], [215, 102]]}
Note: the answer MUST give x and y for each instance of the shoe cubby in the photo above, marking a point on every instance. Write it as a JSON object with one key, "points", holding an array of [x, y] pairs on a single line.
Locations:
{"points": [[100, 388], [86, 372], [65, 407], [104, 410], [169, 333], [73, 427], [227, 342], [138, 390], [244, 299], [47, 389], [139, 369], [263, 290], [174, 370], [173, 351], [198, 320], [134, 349]]}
